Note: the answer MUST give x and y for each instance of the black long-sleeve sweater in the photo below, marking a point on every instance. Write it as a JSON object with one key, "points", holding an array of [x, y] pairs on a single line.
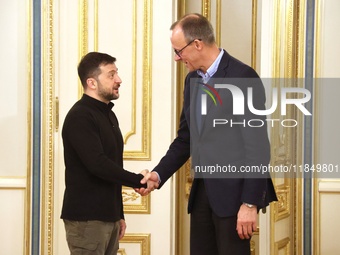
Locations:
{"points": [[93, 153]]}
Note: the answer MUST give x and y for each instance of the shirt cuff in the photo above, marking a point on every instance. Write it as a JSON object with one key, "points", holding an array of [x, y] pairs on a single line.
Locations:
{"points": [[159, 178]]}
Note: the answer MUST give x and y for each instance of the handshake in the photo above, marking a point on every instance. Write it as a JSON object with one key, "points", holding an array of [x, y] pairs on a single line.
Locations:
{"points": [[152, 180]]}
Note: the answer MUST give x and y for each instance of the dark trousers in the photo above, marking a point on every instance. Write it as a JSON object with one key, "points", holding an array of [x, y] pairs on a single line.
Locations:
{"points": [[213, 235]]}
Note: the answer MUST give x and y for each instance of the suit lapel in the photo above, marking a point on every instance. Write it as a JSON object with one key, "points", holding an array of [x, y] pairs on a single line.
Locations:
{"points": [[193, 107]]}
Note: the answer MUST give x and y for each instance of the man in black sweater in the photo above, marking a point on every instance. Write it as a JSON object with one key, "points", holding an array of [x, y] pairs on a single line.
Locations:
{"points": [[93, 153]]}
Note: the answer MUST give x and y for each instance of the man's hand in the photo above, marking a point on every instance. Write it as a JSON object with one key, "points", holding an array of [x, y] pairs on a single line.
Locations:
{"points": [[144, 172], [122, 228], [246, 221], [151, 178]]}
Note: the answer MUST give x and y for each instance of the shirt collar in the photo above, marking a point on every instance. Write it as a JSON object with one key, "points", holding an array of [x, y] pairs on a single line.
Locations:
{"points": [[101, 105]]}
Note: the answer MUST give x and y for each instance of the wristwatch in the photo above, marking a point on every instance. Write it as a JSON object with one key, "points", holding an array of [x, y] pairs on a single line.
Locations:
{"points": [[249, 205]]}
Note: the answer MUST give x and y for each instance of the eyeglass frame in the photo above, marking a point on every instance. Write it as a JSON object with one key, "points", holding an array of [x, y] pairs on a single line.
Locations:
{"points": [[178, 52]]}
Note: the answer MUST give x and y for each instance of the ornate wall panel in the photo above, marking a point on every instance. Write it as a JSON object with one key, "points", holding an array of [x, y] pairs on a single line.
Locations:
{"points": [[97, 34], [132, 244], [326, 192], [281, 209], [48, 128], [284, 140], [328, 206], [13, 221], [134, 203], [283, 247], [235, 24], [254, 243], [16, 126]]}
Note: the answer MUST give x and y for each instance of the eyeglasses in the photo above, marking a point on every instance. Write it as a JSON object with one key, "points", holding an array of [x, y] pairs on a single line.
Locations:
{"points": [[178, 52]]}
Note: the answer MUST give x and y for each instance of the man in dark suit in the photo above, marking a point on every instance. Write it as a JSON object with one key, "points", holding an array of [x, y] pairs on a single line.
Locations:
{"points": [[223, 205]]}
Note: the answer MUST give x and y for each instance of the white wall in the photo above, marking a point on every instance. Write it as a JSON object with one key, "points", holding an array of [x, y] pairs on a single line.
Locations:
{"points": [[327, 190], [14, 125]]}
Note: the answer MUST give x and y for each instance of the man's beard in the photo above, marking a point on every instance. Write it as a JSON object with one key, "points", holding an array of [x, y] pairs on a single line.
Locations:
{"points": [[106, 94]]}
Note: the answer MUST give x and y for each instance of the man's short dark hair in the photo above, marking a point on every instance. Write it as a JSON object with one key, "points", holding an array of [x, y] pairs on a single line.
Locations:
{"points": [[89, 66]]}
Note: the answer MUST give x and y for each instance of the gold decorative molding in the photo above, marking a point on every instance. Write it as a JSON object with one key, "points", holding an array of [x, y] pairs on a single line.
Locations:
{"points": [[289, 67], [298, 189], [134, 203], [255, 242], [276, 40], [188, 177], [95, 26], [254, 34], [284, 46], [82, 35], [142, 239], [122, 252], [218, 22], [29, 78], [83, 27], [56, 114], [134, 73], [48, 104], [300, 61], [133, 196], [282, 246], [206, 8], [281, 208], [287, 63], [144, 153], [252, 248]]}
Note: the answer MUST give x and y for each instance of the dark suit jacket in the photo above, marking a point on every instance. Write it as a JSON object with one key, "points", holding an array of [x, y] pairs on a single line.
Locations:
{"points": [[238, 145]]}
